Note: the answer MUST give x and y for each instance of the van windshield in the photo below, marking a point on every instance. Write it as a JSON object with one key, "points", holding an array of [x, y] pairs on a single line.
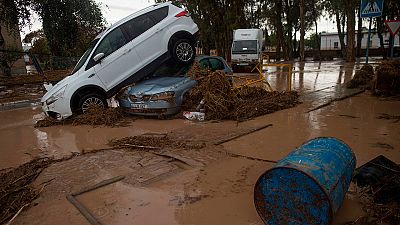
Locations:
{"points": [[85, 56], [244, 47]]}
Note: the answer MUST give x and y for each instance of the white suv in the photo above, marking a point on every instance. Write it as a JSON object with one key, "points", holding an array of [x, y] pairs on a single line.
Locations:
{"points": [[126, 52]]}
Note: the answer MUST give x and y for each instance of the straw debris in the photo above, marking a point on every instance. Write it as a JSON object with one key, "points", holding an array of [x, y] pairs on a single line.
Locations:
{"points": [[95, 116], [387, 79], [362, 77], [16, 190], [223, 102], [377, 213], [154, 142]]}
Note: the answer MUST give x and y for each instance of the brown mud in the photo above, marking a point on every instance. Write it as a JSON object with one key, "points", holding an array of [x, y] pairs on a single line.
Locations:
{"points": [[49, 76], [214, 186]]}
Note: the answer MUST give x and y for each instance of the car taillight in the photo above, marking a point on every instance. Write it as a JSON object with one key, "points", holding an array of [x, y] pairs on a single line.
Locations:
{"points": [[183, 13]]}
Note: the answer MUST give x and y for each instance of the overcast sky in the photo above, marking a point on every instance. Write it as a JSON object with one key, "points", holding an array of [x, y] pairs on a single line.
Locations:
{"points": [[114, 10]]}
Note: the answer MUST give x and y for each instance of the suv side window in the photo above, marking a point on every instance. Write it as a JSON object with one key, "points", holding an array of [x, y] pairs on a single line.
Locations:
{"points": [[111, 43], [138, 26], [216, 64], [159, 14]]}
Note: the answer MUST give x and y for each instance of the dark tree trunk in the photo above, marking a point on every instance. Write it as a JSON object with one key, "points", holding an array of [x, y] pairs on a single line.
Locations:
{"points": [[350, 56], [302, 31], [341, 36], [380, 30], [5, 68], [318, 39], [279, 31], [359, 35]]}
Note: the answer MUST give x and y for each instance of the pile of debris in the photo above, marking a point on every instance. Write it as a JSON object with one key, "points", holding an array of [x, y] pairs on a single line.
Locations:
{"points": [[95, 116], [387, 79], [16, 190], [154, 142], [221, 101], [379, 182], [362, 78], [49, 76]]}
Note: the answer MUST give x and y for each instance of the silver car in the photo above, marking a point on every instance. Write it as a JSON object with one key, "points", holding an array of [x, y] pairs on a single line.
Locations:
{"points": [[163, 93]]}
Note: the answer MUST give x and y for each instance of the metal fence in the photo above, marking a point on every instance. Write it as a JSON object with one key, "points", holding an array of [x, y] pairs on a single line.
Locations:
{"points": [[18, 62]]}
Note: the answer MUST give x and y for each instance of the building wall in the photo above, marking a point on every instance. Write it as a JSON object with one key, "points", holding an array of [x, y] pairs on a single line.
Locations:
{"points": [[331, 41], [12, 40]]}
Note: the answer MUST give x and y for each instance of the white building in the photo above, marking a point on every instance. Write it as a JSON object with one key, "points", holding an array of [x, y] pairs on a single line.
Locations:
{"points": [[330, 41]]}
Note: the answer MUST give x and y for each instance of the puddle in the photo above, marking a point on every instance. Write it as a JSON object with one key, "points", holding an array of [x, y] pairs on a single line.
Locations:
{"points": [[21, 141]]}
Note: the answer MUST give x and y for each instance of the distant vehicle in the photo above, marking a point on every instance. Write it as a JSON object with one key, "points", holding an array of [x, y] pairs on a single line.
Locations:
{"points": [[126, 52], [247, 47], [163, 94]]}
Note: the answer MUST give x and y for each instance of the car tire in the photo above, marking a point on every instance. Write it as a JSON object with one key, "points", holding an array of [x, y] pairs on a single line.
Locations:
{"points": [[183, 51], [89, 100]]}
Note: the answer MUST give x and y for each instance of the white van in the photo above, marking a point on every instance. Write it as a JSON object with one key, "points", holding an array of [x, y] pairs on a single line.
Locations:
{"points": [[126, 52], [247, 47]]}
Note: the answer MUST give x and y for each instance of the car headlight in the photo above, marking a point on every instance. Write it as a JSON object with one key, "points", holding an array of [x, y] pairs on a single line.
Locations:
{"points": [[163, 96], [59, 94]]}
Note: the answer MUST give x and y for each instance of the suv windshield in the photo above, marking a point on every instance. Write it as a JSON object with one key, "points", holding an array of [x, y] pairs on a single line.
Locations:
{"points": [[245, 47], [85, 56]]}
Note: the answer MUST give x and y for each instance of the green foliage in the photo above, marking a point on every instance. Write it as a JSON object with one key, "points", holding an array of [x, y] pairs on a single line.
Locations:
{"points": [[312, 41], [15, 12], [40, 46], [69, 26]]}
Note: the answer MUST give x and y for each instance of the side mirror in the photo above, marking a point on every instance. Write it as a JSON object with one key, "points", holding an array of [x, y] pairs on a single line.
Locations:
{"points": [[98, 57]]}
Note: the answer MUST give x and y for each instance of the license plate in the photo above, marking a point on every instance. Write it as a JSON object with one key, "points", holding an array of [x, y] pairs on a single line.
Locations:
{"points": [[243, 64], [139, 106]]}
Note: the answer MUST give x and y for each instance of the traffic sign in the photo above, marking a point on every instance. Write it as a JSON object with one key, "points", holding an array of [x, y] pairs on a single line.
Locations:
{"points": [[393, 26], [371, 8]]}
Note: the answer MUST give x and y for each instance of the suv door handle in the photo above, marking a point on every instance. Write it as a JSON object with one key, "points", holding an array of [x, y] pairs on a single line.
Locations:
{"points": [[127, 51]]}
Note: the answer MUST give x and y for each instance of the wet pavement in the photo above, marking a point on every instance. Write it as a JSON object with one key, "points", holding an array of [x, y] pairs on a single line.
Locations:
{"points": [[219, 188]]}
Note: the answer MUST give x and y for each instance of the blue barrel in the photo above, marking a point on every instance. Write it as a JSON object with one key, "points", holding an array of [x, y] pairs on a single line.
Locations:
{"points": [[308, 186]]}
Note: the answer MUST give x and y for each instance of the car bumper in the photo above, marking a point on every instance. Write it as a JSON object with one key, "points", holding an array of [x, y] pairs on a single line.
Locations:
{"points": [[58, 110], [151, 108]]}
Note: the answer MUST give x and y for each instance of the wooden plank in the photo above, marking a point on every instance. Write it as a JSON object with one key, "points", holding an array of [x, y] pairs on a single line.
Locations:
{"points": [[241, 135]]}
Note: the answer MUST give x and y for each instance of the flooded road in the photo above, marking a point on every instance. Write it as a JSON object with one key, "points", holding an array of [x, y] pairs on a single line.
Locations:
{"points": [[218, 188], [21, 142]]}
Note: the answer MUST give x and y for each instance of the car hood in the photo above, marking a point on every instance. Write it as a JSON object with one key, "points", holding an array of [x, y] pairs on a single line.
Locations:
{"points": [[159, 84], [52, 90]]}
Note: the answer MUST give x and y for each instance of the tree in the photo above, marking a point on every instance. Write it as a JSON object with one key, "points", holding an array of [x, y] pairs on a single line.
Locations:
{"points": [[391, 10], [38, 41], [335, 8], [350, 7], [69, 26], [313, 41], [302, 30], [13, 14]]}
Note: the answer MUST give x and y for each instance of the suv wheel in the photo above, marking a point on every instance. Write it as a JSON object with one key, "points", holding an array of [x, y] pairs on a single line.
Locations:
{"points": [[183, 51], [91, 100]]}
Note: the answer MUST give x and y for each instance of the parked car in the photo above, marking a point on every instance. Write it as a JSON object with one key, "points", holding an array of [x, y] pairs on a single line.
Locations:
{"points": [[128, 51], [163, 94]]}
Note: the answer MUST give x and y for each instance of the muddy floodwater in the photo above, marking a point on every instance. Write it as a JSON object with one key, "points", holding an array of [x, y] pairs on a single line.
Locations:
{"points": [[211, 185]]}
